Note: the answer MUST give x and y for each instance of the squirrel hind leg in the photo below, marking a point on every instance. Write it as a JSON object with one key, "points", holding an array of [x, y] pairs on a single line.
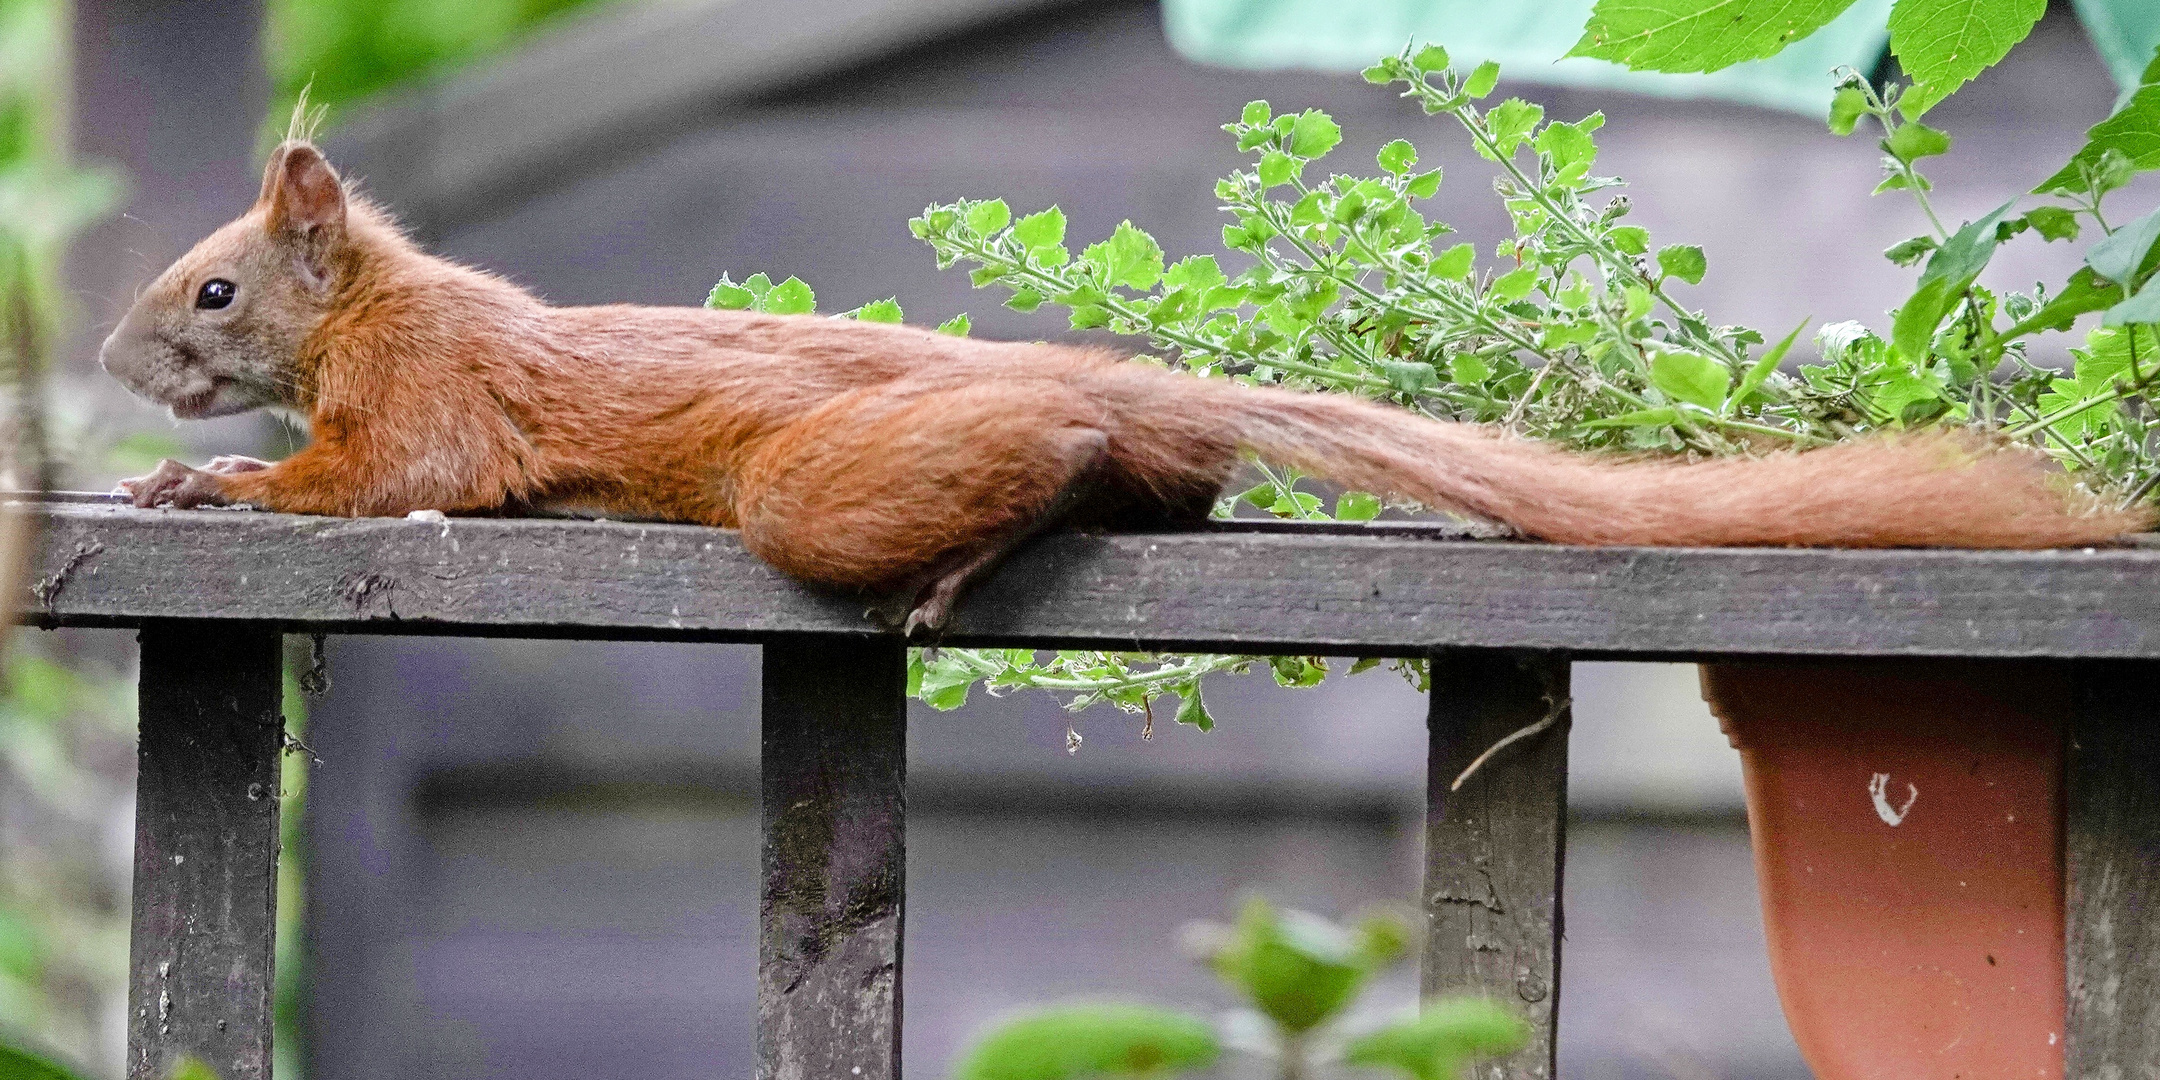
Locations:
{"points": [[1082, 455]]}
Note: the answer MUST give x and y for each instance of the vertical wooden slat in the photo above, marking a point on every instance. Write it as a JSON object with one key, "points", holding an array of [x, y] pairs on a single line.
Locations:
{"points": [[1493, 849], [206, 848], [2112, 847], [834, 764]]}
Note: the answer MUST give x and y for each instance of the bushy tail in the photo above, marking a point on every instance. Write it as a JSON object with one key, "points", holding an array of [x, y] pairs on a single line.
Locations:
{"points": [[1933, 490]]}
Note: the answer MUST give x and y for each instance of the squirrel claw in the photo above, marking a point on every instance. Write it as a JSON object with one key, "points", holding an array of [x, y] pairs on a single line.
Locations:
{"points": [[176, 485]]}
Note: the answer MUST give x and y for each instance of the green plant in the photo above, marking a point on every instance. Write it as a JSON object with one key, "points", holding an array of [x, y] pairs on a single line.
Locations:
{"points": [[1300, 975], [344, 50], [1573, 329]]}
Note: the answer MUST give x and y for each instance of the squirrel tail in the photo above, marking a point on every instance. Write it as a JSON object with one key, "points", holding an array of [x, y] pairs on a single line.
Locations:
{"points": [[1921, 490]]}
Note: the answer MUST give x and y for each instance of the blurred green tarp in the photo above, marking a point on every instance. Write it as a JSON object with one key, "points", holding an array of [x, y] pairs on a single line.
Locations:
{"points": [[1528, 38]]}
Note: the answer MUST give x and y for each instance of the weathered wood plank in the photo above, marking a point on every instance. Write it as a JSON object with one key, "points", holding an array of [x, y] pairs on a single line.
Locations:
{"points": [[1493, 850], [2113, 850], [206, 848], [1342, 592], [835, 860]]}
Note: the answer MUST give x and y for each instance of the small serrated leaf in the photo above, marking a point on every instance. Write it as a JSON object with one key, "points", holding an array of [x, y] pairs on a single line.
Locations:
{"points": [[1683, 261]]}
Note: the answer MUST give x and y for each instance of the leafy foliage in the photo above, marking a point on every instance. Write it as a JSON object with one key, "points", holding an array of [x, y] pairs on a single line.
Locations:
{"points": [[1300, 973], [1573, 331], [349, 49], [1699, 35], [1078, 1041], [1941, 44]]}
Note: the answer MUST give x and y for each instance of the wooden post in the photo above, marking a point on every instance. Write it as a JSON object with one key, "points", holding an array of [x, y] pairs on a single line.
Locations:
{"points": [[835, 860], [206, 848], [2112, 847], [1493, 849]]}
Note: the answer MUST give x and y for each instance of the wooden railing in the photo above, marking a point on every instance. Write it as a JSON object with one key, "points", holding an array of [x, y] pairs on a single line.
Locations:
{"points": [[212, 591]]}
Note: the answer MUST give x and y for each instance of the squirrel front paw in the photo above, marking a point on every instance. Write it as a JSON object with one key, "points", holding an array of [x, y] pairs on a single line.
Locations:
{"points": [[179, 486]]}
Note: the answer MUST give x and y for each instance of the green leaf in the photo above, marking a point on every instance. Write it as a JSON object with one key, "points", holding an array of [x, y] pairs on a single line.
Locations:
{"points": [[1631, 239], [2142, 308], [1024, 300], [957, 326], [1429, 59], [1911, 142], [2132, 134], [986, 218], [1409, 376], [1074, 1042], [1846, 109], [1683, 261], [1483, 80], [1760, 370], [1467, 369], [1193, 711], [1298, 969], [1441, 1040], [1691, 377], [2054, 222], [1298, 672], [1357, 506], [1276, 169], [728, 296], [1698, 35], [1196, 272], [2118, 256], [1511, 122], [1568, 144], [944, 683], [790, 297], [1130, 257], [1910, 251], [1950, 271], [1256, 113], [1042, 230], [1515, 284], [1943, 43], [1454, 263], [1398, 157], [880, 311], [22, 1065], [1314, 134], [1423, 185]]}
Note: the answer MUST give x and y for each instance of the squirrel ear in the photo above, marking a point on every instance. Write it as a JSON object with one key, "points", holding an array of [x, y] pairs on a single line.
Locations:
{"points": [[302, 193]]}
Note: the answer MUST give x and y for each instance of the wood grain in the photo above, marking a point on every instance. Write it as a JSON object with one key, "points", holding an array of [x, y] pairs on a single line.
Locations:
{"points": [[206, 849], [1343, 591], [834, 760], [1493, 849], [2112, 845]]}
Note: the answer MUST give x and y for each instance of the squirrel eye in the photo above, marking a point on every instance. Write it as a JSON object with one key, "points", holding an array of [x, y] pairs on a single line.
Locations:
{"points": [[215, 293]]}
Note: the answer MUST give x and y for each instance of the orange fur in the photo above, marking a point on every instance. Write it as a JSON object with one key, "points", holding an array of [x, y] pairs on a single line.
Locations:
{"points": [[871, 455]]}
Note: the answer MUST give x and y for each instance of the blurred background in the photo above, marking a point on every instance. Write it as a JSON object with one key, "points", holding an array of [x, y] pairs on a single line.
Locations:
{"points": [[538, 859]]}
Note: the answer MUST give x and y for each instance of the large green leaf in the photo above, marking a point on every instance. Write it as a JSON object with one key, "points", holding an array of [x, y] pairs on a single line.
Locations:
{"points": [[1698, 35], [22, 1065], [1078, 1041], [1950, 271], [2134, 131], [1943, 43]]}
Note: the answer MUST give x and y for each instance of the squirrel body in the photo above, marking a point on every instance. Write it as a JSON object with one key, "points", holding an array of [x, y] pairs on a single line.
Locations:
{"points": [[882, 457]]}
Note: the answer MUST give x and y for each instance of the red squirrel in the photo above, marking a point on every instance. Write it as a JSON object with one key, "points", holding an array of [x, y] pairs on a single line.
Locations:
{"points": [[889, 458]]}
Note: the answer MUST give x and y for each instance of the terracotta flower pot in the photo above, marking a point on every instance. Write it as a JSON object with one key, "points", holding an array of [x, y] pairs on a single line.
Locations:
{"points": [[1907, 823]]}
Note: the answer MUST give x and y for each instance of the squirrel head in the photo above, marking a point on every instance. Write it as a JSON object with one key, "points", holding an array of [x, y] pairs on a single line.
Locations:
{"points": [[222, 330]]}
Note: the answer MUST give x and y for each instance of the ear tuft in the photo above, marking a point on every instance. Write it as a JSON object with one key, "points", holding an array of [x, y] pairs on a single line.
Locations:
{"points": [[302, 193]]}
